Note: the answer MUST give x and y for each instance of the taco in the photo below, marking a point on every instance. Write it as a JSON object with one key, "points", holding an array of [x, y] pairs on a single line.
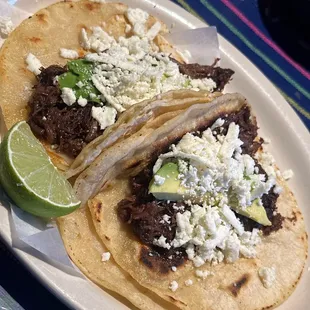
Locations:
{"points": [[77, 230], [197, 212], [73, 68]]}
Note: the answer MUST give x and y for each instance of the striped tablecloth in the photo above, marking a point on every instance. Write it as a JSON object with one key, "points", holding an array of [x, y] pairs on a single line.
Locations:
{"points": [[240, 22]]}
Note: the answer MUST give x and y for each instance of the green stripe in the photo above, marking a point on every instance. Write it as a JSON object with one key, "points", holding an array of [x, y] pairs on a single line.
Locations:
{"points": [[252, 47], [189, 9], [291, 101], [294, 104]]}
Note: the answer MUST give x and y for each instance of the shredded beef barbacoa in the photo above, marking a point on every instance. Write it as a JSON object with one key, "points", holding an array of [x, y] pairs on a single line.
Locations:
{"points": [[145, 213], [247, 130], [196, 71], [70, 128]]}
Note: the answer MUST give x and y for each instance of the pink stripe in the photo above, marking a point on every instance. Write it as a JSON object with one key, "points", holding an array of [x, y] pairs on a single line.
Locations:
{"points": [[266, 40]]}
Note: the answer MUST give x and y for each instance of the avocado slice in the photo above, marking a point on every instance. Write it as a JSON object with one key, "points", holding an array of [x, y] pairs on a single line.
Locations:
{"points": [[255, 212], [171, 188]]}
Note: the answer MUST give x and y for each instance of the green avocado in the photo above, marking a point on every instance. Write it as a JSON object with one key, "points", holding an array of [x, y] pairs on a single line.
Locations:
{"points": [[255, 212], [80, 70], [171, 189]]}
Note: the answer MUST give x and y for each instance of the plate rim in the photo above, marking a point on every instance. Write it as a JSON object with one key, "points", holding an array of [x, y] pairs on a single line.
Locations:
{"points": [[249, 69]]}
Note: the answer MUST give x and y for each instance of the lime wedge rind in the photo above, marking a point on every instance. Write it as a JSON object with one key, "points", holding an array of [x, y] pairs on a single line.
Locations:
{"points": [[30, 178], [23, 179]]}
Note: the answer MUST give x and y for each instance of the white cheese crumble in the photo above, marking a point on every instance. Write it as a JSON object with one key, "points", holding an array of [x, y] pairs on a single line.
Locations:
{"points": [[82, 101], [68, 96], [208, 236], [153, 31], [173, 286], [105, 256], [161, 242], [188, 282], [128, 70], [84, 39], [104, 115], [277, 189], [267, 276], [216, 177], [99, 40], [80, 84], [137, 18], [287, 174], [6, 26], [166, 218], [68, 54], [267, 161], [158, 180], [174, 269], [218, 123], [33, 63], [203, 274], [98, 1], [217, 167]]}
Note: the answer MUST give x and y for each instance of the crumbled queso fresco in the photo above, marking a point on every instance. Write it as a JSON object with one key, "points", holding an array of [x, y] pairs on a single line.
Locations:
{"points": [[174, 286], [203, 274], [217, 178], [267, 276], [105, 256], [104, 115], [68, 96], [188, 282], [130, 71], [69, 54], [127, 70], [33, 63]]}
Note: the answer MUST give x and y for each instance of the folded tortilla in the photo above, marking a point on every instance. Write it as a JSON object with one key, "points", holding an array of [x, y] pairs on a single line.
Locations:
{"points": [[233, 286]]}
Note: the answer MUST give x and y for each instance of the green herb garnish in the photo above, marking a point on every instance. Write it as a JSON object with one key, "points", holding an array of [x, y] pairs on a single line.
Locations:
{"points": [[80, 70]]}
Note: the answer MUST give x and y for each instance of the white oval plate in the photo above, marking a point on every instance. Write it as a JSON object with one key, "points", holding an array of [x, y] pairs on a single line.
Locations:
{"points": [[290, 147]]}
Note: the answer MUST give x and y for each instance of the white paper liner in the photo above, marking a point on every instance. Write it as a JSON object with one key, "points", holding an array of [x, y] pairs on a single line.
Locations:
{"points": [[203, 47], [16, 15], [38, 234], [201, 43]]}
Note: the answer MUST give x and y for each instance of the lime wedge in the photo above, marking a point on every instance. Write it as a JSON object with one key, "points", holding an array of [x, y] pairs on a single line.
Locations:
{"points": [[29, 177]]}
